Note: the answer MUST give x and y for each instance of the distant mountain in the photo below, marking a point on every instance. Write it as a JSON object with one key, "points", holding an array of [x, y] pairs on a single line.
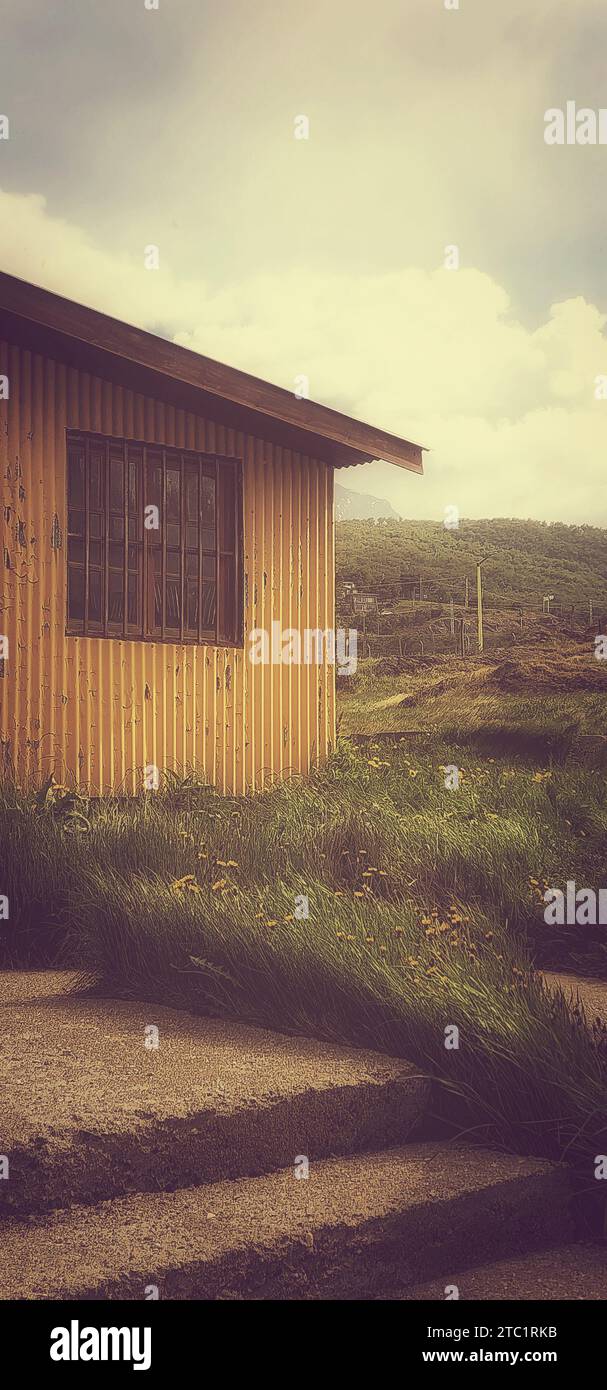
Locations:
{"points": [[359, 506], [524, 560]]}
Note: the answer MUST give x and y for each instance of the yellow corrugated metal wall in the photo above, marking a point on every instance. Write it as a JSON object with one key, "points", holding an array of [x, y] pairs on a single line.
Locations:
{"points": [[96, 711]]}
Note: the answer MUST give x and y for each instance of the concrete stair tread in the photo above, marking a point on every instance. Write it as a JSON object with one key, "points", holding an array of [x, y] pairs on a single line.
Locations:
{"points": [[408, 1212], [562, 1273], [88, 1112]]}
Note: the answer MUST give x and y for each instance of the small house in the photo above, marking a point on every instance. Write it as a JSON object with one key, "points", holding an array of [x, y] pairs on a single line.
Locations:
{"points": [[160, 511]]}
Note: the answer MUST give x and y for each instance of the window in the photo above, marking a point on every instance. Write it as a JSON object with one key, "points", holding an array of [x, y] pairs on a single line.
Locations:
{"points": [[154, 544]]}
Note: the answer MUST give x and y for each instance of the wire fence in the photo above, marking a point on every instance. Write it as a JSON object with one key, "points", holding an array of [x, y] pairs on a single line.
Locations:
{"points": [[388, 626]]}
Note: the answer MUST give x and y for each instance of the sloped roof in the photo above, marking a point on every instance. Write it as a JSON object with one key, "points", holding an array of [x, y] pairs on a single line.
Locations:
{"points": [[83, 336]]}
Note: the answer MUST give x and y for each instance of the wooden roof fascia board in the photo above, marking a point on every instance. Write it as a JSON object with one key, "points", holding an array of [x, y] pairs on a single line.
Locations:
{"points": [[73, 352], [358, 441]]}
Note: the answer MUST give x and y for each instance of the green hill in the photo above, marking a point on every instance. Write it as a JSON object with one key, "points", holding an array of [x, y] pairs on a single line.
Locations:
{"points": [[524, 559]]}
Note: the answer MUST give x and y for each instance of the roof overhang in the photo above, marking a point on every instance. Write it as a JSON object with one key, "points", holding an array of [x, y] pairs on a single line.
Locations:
{"points": [[83, 337]]}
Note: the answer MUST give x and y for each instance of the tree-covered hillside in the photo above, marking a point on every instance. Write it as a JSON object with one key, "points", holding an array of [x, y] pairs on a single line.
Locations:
{"points": [[524, 559]]}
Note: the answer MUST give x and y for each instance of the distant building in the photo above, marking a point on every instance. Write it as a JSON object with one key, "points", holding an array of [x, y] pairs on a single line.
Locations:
{"points": [[365, 603]]}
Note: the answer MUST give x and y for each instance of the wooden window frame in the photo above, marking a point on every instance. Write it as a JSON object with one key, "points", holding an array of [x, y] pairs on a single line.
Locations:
{"points": [[145, 454]]}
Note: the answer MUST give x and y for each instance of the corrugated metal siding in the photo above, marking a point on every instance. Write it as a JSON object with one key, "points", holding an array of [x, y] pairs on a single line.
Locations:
{"points": [[96, 711]]}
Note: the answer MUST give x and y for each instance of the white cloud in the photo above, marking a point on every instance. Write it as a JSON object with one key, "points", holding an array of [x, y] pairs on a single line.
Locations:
{"points": [[507, 410]]}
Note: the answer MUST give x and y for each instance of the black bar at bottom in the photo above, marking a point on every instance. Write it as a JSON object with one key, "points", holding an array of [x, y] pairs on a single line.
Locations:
{"points": [[156, 1337]]}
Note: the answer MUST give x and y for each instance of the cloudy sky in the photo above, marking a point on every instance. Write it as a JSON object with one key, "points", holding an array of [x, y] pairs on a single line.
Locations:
{"points": [[325, 256]]}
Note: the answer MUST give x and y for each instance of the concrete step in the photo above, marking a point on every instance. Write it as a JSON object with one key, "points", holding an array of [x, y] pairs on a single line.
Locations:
{"points": [[88, 1111], [355, 1227], [563, 1273]]}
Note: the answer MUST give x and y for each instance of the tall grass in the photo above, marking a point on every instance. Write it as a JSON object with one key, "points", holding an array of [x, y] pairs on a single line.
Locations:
{"points": [[425, 912]]}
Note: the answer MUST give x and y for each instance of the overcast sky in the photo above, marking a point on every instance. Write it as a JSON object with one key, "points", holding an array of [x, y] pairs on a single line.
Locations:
{"points": [[325, 257]]}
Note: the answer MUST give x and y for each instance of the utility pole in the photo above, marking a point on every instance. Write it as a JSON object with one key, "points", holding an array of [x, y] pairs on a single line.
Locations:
{"points": [[452, 616], [467, 599], [479, 604], [590, 606]]}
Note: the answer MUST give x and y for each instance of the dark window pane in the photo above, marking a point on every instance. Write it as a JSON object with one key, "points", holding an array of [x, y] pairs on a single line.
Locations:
{"points": [[207, 502], [227, 622], [116, 554], [191, 492], [116, 485], [172, 494], [75, 594], [95, 480], [75, 550], [94, 596], [209, 594], [76, 478], [133, 557], [173, 603], [209, 608], [158, 602], [115, 598], [134, 528], [153, 491], [154, 590], [117, 528], [191, 535], [95, 553], [133, 600], [173, 562], [192, 605], [173, 533], [95, 525], [191, 563], [75, 523], [226, 507], [133, 470]]}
